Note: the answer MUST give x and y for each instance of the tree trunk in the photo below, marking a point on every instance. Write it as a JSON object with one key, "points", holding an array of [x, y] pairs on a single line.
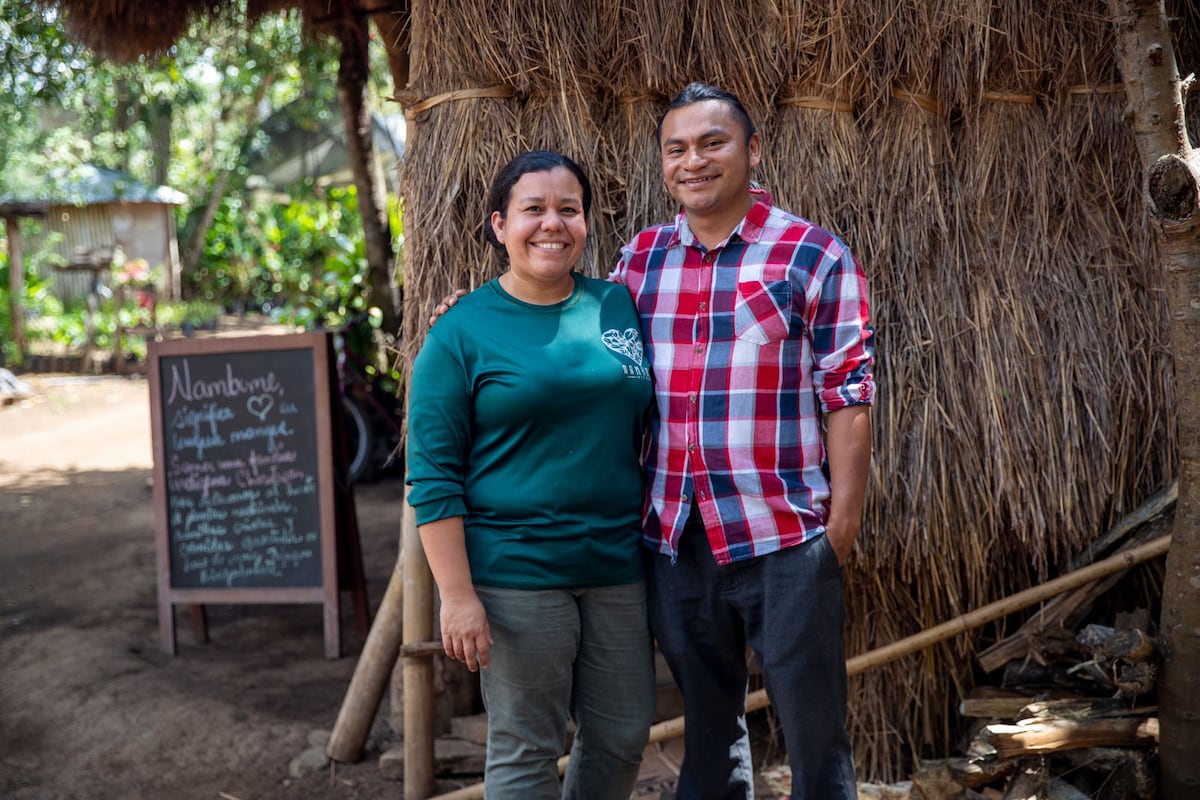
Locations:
{"points": [[1172, 169], [16, 284], [161, 114], [195, 245], [123, 119], [368, 173]]}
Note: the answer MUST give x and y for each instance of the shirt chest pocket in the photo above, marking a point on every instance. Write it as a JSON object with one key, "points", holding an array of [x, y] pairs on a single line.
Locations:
{"points": [[762, 310]]}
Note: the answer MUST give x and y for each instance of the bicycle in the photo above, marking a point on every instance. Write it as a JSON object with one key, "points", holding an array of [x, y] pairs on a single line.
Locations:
{"points": [[372, 418]]}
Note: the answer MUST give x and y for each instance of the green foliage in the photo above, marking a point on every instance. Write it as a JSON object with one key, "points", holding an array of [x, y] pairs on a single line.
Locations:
{"points": [[189, 314], [39, 68], [195, 114], [303, 261], [37, 301]]}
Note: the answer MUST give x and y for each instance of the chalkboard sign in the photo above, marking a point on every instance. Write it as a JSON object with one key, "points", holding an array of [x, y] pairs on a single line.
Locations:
{"points": [[244, 490]]}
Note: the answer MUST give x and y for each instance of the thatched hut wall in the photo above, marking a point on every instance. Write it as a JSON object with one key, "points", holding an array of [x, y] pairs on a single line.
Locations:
{"points": [[973, 154]]}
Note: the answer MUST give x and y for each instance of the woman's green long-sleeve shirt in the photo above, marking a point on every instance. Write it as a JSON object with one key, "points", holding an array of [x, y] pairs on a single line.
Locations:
{"points": [[527, 421]]}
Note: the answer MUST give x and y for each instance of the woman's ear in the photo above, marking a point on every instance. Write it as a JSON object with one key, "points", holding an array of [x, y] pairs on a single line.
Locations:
{"points": [[498, 226]]}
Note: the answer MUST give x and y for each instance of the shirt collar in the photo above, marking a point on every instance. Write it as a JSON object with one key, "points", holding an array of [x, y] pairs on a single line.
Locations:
{"points": [[748, 230]]}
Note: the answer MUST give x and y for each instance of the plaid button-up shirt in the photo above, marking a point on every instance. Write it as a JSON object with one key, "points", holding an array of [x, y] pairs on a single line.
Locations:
{"points": [[749, 342]]}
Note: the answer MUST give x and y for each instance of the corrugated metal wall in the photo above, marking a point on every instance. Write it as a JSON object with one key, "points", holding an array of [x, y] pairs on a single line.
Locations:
{"points": [[75, 231]]}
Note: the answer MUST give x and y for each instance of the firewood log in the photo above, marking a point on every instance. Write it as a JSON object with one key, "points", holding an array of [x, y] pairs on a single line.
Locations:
{"points": [[1048, 736]]}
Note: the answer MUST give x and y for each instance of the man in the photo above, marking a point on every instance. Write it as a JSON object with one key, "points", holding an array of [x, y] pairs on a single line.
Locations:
{"points": [[758, 333], [757, 327]]}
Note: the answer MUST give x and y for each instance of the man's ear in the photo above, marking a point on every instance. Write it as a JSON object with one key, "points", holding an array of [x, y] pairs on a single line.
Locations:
{"points": [[754, 146]]}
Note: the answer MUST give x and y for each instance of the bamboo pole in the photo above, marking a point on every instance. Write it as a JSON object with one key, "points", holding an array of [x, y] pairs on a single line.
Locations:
{"points": [[417, 671], [671, 728], [370, 675], [1009, 605]]}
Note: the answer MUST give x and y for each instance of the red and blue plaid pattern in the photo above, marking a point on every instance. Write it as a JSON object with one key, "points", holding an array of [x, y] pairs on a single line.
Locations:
{"points": [[750, 343]]}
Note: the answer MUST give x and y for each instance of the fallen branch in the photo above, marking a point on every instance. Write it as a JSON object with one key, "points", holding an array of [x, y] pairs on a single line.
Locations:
{"points": [[1052, 736], [370, 677]]}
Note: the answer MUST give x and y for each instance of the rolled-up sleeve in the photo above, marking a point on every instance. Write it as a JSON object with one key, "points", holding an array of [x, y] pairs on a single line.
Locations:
{"points": [[439, 426], [617, 275], [843, 339]]}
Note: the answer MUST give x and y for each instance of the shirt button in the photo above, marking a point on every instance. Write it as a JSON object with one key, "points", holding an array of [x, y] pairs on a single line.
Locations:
{"points": [[684, 498], [699, 348], [692, 398], [692, 448], [703, 306]]}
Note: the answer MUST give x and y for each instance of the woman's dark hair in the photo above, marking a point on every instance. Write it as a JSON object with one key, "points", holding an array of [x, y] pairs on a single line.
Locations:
{"points": [[510, 173], [699, 92]]}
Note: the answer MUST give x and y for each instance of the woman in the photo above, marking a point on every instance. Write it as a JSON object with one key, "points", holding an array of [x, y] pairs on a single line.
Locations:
{"points": [[525, 424]]}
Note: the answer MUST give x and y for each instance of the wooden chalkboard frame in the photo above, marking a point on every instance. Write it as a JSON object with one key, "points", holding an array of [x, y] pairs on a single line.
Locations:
{"points": [[320, 347]]}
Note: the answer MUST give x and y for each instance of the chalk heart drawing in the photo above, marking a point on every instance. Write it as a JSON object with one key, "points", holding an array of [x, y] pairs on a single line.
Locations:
{"points": [[260, 405], [627, 342]]}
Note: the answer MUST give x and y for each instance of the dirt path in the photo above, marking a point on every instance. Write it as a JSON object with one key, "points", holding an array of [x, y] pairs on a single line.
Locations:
{"points": [[90, 707]]}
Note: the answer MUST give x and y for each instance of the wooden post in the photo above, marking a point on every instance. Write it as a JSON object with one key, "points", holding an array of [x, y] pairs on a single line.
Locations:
{"points": [[370, 676], [417, 670], [16, 284]]}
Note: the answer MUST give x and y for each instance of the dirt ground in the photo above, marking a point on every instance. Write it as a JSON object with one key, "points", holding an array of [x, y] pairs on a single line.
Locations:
{"points": [[90, 706]]}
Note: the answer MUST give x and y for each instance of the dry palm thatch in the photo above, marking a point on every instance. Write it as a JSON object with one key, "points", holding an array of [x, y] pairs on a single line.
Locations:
{"points": [[973, 155], [126, 29], [539, 71], [748, 63], [633, 166], [1004, 395], [530, 47], [883, 36], [572, 125], [462, 145], [905, 239], [812, 160], [653, 34]]}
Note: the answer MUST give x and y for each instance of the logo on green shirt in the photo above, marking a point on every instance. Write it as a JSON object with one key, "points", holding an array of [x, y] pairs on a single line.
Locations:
{"points": [[627, 342]]}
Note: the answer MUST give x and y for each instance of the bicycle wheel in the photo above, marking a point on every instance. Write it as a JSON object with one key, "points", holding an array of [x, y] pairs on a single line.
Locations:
{"points": [[359, 441]]}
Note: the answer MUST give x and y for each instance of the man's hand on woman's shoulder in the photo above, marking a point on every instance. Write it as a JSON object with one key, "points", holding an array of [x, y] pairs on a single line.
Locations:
{"points": [[444, 306]]}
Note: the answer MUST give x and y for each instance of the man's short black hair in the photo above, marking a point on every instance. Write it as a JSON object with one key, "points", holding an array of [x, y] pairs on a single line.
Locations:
{"points": [[698, 92]]}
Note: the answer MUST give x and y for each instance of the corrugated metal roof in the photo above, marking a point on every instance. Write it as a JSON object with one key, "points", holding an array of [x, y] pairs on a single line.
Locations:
{"points": [[90, 184]]}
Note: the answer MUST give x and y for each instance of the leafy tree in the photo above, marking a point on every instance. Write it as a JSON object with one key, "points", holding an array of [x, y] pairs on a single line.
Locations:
{"points": [[40, 69], [191, 118]]}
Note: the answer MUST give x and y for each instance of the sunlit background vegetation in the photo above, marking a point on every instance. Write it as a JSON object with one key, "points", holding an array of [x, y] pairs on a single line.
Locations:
{"points": [[201, 120]]}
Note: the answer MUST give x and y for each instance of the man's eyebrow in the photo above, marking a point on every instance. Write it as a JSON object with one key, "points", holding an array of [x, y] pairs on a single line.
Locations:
{"points": [[718, 131]]}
